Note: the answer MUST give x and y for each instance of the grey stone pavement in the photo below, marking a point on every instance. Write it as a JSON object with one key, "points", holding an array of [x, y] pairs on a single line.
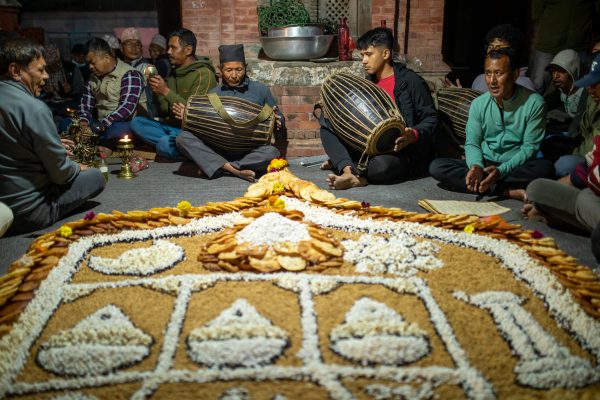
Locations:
{"points": [[159, 186]]}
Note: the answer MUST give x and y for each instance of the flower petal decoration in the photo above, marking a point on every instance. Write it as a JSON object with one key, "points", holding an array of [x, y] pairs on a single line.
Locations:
{"points": [[469, 228], [184, 206], [89, 216]]}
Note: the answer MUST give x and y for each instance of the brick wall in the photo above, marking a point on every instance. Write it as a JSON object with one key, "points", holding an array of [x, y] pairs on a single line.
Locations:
{"points": [[218, 22]]}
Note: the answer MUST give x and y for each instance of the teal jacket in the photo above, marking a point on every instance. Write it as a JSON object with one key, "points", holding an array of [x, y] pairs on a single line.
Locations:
{"points": [[508, 137]]}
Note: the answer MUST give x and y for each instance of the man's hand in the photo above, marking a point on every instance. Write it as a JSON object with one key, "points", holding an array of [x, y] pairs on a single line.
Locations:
{"points": [[405, 139], [178, 110], [158, 85], [474, 177], [69, 145], [278, 118], [448, 83], [492, 175]]}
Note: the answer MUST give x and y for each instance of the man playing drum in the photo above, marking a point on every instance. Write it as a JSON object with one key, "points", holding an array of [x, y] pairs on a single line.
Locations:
{"points": [[413, 150], [190, 75], [213, 162], [503, 134]]}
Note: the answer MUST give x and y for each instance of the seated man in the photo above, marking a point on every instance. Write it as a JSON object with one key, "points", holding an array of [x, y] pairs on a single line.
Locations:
{"points": [[159, 56], [113, 95], [568, 102], [38, 181], [589, 126], [213, 162], [133, 54], [499, 37], [413, 149], [191, 75], [504, 131], [566, 206]]}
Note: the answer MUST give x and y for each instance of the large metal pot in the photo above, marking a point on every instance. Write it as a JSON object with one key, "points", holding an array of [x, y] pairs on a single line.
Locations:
{"points": [[296, 47], [296, 30]]}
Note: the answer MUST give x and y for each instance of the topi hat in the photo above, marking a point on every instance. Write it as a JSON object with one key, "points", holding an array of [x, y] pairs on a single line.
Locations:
{"points": [[112, 41], [159, 40], [231, 52], [130, 34]]}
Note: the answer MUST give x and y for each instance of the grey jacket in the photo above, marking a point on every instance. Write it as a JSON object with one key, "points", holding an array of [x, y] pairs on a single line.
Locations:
{"points": [[32, 158]]}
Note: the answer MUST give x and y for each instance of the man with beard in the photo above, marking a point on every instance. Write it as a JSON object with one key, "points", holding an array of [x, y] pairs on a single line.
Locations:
{"points": [[503, 134], [39, 183], [190, 75], [243, 164], [413, 150]]}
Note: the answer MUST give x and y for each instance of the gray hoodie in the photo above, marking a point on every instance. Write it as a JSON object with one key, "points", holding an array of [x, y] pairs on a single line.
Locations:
{"points": [[569, 61]]}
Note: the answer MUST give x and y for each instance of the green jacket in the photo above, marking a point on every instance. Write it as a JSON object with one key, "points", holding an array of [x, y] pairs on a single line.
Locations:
{"points": [[194, 79], [588, 127], [509, 137]]}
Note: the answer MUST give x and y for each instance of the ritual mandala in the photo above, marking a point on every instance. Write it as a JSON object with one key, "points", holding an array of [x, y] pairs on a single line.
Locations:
{"points": [[300, 295]]}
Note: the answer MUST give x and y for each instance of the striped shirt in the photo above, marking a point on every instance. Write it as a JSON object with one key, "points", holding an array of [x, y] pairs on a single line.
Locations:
{"points": [[132, 86]]}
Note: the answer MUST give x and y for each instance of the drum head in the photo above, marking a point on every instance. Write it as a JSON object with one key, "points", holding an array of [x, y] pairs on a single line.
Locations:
{"points": [[386, 141]]}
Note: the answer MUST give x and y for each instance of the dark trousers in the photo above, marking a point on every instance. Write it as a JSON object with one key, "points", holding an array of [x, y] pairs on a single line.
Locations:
{"points": [[60, 201], [210, 160], [383, 168], [452, 174]]}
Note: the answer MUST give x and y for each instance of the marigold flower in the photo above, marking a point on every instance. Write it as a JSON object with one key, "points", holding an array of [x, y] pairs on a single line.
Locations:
{"points": [[89, 216], [469, 228], [279, 203], [278, 188], [277, 164], [65, 231], [184, 206]]}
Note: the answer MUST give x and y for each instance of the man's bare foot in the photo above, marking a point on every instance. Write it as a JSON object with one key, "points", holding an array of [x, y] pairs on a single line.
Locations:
{"points": [[245, 174], [531, 213], [326, 165], [345, 181], [517, 194]]}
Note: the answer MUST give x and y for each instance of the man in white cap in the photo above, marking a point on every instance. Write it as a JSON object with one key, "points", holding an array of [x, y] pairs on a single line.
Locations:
{"points": [[159, 56], [131, 44], [215, 162]]}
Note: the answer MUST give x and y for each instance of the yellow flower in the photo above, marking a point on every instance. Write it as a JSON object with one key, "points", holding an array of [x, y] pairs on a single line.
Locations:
{"points": [[279, 203], [277, 164], [469, 229], [65, 231], [278, 188], [184, 206]]}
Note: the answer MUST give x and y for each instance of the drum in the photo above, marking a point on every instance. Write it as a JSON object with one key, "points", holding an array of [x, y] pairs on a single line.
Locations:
{"points": [[229, 123], [453, 108], [362, 114]]}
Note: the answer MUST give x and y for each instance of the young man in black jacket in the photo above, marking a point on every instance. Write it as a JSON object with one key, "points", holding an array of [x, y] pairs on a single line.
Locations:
{"points": [[414, 149]]}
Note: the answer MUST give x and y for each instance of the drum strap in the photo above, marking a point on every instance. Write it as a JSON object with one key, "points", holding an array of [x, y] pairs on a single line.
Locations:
{"points": [[264, 114]]}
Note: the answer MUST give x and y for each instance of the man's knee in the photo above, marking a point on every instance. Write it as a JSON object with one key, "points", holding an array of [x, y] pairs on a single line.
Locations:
{"points": [[271, 152], [6, 218]]}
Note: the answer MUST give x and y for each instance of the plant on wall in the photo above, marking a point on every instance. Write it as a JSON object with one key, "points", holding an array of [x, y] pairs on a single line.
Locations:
{"points": [[281, 13]]}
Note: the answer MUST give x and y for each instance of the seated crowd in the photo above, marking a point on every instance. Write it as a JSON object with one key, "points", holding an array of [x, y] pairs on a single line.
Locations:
{"points": [[509, 150]]}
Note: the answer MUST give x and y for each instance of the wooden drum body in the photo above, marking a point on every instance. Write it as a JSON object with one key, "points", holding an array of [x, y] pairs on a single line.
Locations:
{"points": [[453, 106], [362, 114], [229, 123]]}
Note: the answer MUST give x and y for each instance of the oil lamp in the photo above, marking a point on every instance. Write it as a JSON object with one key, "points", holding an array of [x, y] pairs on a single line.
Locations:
{"points": [[125, 147]]}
